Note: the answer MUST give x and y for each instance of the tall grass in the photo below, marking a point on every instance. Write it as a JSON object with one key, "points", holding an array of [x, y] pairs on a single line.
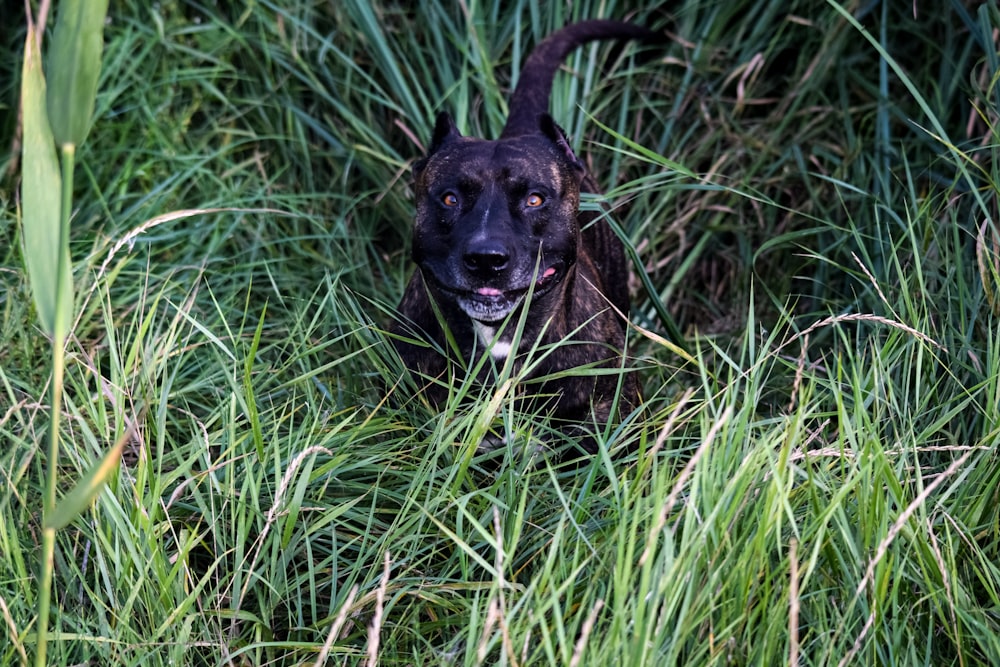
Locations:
{"points": [[809, 191]]}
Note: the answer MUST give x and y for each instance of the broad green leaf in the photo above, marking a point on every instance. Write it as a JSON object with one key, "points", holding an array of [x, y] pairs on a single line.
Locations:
{"points": [[74, 503], [45, 249], [74, 66]]}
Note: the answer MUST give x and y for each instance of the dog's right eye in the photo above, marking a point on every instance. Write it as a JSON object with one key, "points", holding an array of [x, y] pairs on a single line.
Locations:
{"points": [[449, 199], [534, 200]]}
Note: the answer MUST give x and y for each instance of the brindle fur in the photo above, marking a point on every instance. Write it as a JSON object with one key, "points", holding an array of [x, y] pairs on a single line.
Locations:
{"points": [[478, 253]]}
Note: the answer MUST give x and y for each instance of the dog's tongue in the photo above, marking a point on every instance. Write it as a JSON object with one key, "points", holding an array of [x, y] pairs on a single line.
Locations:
{"points": [[548, 273], [493, 291]]}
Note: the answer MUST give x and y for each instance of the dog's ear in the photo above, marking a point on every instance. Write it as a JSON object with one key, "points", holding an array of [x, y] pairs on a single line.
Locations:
{"points": [[557, 136], [444, 131]]}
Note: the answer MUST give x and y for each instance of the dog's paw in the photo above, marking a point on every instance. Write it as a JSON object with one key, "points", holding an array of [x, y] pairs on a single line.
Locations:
{"points": [[520, 445], [491, 442]]}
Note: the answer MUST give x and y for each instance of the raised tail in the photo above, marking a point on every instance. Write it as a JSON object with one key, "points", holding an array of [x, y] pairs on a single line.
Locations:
{"points": [[531, 96]]}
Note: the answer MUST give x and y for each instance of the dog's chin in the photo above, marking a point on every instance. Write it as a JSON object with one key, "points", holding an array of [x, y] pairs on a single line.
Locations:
{"points": [[490, 305]]}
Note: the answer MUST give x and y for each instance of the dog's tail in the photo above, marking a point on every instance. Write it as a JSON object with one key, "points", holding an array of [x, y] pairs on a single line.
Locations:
{"points": [[531, 96]]}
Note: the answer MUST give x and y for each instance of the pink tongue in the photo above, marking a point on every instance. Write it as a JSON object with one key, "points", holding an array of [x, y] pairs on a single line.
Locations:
{"points": [[493, 291]]}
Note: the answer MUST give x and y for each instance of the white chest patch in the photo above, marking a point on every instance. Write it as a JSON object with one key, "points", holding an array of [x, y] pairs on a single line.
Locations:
{"points": [[500, 349]]}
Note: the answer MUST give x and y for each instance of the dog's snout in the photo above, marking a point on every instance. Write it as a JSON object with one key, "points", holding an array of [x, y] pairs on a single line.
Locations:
{"points": [[486, 258]]}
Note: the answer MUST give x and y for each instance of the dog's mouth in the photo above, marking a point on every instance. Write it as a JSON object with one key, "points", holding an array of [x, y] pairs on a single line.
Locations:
{"points": [[490, 304]]}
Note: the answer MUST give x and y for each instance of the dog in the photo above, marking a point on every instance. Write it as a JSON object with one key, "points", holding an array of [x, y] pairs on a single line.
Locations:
{"points": [[507, 263]]}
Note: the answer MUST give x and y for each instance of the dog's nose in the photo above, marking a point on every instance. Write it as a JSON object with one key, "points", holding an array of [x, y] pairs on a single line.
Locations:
{"points": [[486, 258]]}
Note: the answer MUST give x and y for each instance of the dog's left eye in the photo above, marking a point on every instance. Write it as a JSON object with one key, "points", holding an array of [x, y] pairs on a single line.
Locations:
{"points": [[449, 199], [534, 200]]}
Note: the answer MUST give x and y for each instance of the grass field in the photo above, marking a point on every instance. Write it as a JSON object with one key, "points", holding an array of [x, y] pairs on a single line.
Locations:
{"points": [[810, 192]]}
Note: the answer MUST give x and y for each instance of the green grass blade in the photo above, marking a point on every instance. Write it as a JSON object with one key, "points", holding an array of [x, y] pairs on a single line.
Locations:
{"points": [[74, 66], [44, 248]]}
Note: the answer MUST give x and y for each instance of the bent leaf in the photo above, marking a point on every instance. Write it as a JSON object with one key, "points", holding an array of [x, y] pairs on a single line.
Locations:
{"points": [[74, 503]]}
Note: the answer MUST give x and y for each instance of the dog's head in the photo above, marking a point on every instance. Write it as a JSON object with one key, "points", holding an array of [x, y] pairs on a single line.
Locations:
{"points": [[496, 219]]}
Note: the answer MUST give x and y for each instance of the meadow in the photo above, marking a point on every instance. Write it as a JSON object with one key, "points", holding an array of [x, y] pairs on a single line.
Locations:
{"points": [[808, 193]]}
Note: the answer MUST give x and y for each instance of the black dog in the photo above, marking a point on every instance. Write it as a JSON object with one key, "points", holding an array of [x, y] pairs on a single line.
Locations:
{"points": [[498, 230]]}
